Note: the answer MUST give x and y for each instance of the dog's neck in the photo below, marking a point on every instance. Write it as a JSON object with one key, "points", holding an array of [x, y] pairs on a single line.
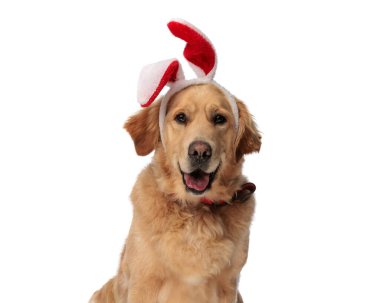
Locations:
{"points": [[240, 196]]}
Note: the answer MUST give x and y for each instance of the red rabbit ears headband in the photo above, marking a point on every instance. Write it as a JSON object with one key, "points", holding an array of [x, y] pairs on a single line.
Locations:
{"points": [[200, 54]]}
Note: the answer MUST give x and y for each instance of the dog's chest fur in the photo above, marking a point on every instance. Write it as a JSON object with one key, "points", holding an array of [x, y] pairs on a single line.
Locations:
{"points": [[192, 251], [193, 243]]}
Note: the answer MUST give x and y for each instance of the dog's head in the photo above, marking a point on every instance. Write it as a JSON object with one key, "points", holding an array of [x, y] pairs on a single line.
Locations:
{"points": [[199, 130], [203, 151]]}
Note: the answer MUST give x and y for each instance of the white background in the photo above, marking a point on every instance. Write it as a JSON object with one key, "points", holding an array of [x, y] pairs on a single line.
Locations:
{"points": [[309, 71]]}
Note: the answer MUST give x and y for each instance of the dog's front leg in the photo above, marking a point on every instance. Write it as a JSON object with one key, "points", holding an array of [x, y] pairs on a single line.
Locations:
{"points": [[144, 290], [230, 297]]}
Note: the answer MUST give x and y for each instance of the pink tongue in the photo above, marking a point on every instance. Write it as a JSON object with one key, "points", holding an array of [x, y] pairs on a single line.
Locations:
{"points": [[198, 184]]}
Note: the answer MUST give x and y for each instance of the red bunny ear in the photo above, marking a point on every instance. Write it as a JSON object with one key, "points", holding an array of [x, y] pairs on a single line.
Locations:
{"points": [[199, 51], [154, 77]]}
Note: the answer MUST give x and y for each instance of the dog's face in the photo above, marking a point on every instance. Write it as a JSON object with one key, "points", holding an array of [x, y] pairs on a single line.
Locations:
{"points": [[202, 149], [199, 135]]}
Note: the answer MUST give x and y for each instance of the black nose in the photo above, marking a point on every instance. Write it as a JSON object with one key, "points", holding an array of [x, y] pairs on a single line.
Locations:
{"points": [[200, 152]]}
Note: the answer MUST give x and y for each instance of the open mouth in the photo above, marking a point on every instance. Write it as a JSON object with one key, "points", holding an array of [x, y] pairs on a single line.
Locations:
{"points": [[198, 181]]}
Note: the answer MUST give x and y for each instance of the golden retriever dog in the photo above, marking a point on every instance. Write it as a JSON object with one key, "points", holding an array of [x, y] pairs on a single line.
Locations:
{"points": [[192, 207]]}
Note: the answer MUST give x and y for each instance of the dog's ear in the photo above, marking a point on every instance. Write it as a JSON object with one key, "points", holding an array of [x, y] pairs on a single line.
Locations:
{"points": [[144, 129], [248, 139]]}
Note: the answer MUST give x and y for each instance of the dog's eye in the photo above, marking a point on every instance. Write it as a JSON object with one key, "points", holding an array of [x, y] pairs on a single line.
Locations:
{"points": [[181, 118], [219, 119]]}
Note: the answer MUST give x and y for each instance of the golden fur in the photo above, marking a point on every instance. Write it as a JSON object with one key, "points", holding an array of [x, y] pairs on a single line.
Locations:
{"points": [[178, 249]]}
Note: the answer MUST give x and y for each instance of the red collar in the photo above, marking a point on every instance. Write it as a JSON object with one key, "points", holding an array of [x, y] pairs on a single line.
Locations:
{"points": [[240, 195]]}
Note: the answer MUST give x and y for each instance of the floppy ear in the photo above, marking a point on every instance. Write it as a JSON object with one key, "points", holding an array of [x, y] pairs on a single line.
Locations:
{"points": [[144, 130], [248, 139]]}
